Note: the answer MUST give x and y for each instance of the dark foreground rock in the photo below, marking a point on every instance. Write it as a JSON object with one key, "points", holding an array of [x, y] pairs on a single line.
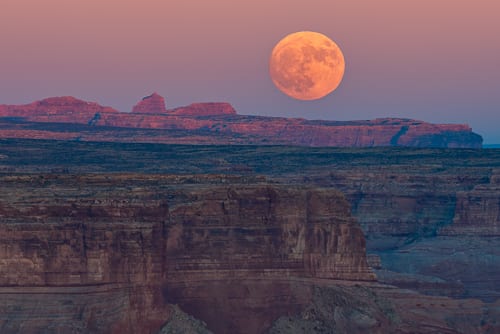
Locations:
{"points": [[360, 309], [182, 323], [120, 249], [429, 217]]}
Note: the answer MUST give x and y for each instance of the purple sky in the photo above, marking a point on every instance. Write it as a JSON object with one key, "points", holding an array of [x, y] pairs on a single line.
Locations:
{"points": [[433, 60]]}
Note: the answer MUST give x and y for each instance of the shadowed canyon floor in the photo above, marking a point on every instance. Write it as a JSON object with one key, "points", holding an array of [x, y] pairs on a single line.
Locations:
{"points": [[107, 237]]}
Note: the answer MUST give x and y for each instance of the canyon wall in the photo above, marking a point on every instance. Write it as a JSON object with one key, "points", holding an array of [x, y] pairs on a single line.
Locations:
{"points": [[431, 218], [96, 236], [112, 253], [478, 210]]}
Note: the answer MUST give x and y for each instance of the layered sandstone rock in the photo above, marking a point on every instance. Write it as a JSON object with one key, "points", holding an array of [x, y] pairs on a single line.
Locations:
{"points": [[477, 211], [75, 197], [218, 123], [64, 109], [145, 242], [205, 109], [431, 218], [358, 310], [152, 104]]}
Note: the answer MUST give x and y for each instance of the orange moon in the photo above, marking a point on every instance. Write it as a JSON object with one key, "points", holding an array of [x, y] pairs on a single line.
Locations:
{"points": [[307, 65]]}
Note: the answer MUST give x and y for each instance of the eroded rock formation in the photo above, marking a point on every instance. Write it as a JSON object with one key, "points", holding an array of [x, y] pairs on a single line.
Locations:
{"points": [[205, 109], [217, 123], [146, 242], [152, 104], [81, 224]]}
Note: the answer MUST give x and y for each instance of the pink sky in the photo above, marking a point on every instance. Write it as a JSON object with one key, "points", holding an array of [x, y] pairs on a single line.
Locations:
{"points": [[434, 60]]}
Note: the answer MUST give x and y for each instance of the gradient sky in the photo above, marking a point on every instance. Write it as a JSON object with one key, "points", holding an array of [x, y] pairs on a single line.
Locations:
{"points": [[433, 60]]}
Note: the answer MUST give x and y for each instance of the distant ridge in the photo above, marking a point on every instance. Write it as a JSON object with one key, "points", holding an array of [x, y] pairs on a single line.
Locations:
{"points": [[68, 118]]}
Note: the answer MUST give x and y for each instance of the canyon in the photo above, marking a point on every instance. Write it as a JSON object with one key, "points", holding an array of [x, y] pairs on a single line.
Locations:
{"points": [[106, 237], [144, 242], [68, 118]]}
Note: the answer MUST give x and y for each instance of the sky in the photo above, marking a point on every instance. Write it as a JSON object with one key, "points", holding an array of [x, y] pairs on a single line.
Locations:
{"points": [[431, 60]]}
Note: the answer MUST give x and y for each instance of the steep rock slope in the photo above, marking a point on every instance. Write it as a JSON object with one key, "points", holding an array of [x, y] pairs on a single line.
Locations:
{"points": [[120, 249]]}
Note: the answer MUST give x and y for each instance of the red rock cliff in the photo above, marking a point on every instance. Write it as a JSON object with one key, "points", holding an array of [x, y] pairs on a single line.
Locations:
{"points": [[56, 109], [218, 123], [152, 104], [111, 253], [204, 109]]}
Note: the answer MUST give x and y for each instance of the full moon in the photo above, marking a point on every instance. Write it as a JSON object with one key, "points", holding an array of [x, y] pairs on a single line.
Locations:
{"points": [[306, 65]]}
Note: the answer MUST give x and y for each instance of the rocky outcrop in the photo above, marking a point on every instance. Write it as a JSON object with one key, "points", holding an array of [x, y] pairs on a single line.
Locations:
{"points": [[146, 242], [64, 109], [218, 123], [341, 310], [358, 309], [152, 104], [182, 323], [477, 211], [205, 109], [155, 104]]}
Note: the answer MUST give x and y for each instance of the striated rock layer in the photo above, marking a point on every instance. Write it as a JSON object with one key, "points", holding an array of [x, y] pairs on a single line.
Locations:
{"points": [[217, 123], [111, 253], [81, 224]]}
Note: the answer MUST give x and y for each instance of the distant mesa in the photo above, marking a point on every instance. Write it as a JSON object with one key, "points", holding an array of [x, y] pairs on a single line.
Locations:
{"points": [[69, 103], [155, 104], [152, 104], [216, 123], [64, 106], [62, 101], [206, 109]]}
